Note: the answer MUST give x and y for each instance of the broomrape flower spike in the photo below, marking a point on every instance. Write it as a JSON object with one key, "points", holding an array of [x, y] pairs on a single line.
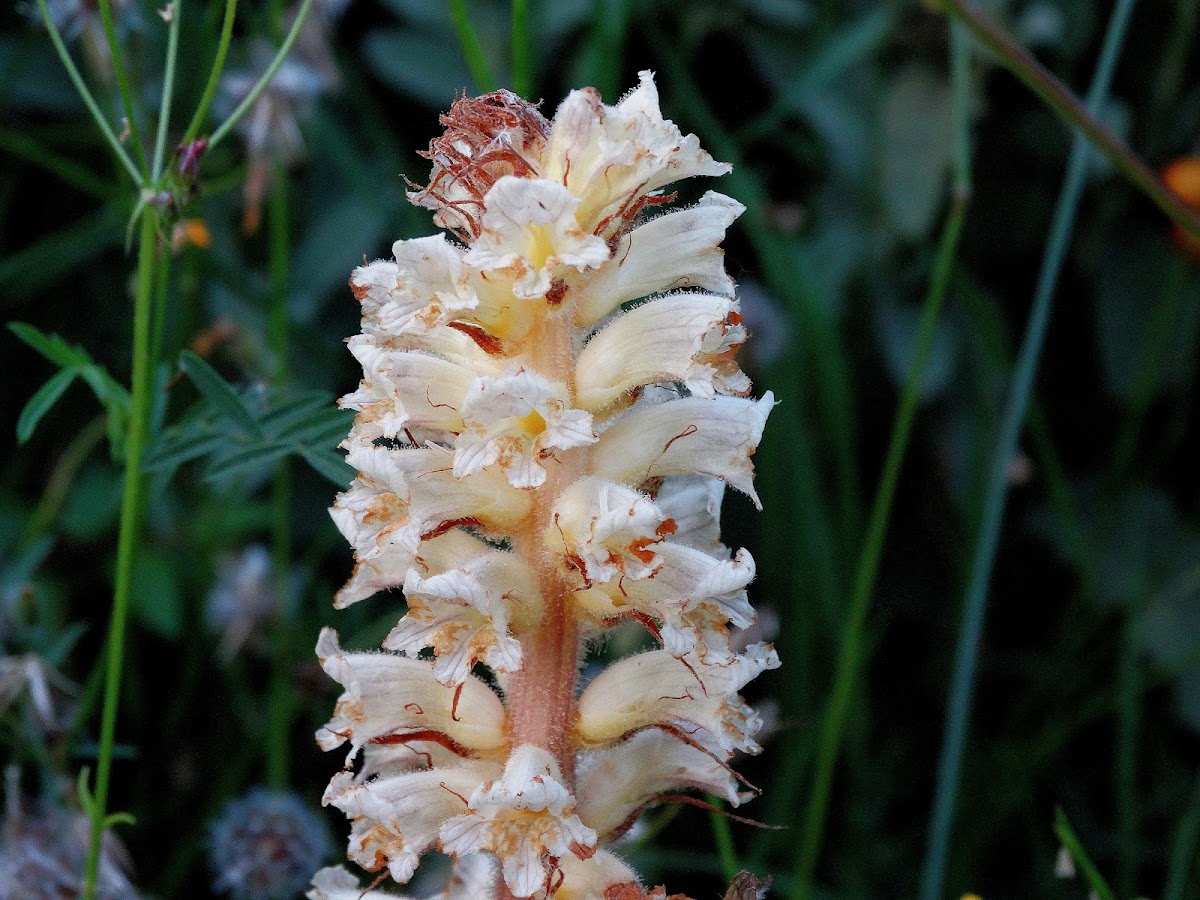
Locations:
{"points": [[549, 413]]}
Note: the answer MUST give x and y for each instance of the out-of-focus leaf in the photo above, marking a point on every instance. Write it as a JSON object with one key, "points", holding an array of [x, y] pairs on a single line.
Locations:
{"points": [[91, 507], [916, 148], [218, 392], [897, 324], [330, 464], [338, 238], [51, 346], [425, 65], [1132, 281], [45, 262], [322, 428], [40, 403], [244, 461], [183, 447], [284, 414], [155, 599]]}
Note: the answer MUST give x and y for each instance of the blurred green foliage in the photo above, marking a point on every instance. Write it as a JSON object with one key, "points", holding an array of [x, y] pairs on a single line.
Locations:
{"points": [[837, 116]]}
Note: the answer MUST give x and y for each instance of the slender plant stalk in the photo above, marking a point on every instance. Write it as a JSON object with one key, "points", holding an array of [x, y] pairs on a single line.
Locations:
{"points": [[278, 745], [128, 535], [471, 47], [1085, 119], [850, 658], [521, 74], [88, 100], [723, 838], [1183, 848], [214, 75], [162, 278], [164, 108], [126, 93], [225, 127], [975, 601]]}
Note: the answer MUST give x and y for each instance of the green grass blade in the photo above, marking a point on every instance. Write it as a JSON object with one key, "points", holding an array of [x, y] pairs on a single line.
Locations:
{"points": [[471, 47], [1066, 834], [966, 652]]}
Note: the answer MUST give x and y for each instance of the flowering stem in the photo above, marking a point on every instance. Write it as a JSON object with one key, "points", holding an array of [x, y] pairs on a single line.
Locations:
{"points": [[88, 100], [975, 601], [1085, 119], [850, 658], [214, 76], [225, 127], [281, 494], [471, 47], [114, 47], [164, 109], [128, 534]]}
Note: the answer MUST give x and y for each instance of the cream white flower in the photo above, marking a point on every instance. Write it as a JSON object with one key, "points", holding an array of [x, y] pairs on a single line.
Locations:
{"points": [[656, 689], [514, 422], [390, 699], [538, 459], [527, 818], [529, 230], [605, 530], [463, 614], [690, 338]]}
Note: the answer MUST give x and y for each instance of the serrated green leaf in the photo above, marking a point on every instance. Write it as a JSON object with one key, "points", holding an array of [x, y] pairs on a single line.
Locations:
{"points": [[243, 461], [219, 393], [51, 346], [42, 400], [330, 464]]}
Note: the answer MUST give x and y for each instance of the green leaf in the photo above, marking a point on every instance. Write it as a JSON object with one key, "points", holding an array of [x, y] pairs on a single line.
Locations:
{"points": [[243, 461], [283, 414], [156, 600], [1062, 827], [51, 346], [42, 400], [324, 428], [916, 148], [330, 464], [183, 447], [219, 393]]}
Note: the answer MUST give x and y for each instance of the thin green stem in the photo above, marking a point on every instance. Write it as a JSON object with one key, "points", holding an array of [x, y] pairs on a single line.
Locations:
{"points": [[850, 658], [975, 600], [214, 76], [471, 47], [164, 108], [1183, 848], [279, 716], [1085, 119], [235, 117], [162, 279], [128, 534], [114, 48], [723, 838], [521, 74], [66, 169], [88, 100]]}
